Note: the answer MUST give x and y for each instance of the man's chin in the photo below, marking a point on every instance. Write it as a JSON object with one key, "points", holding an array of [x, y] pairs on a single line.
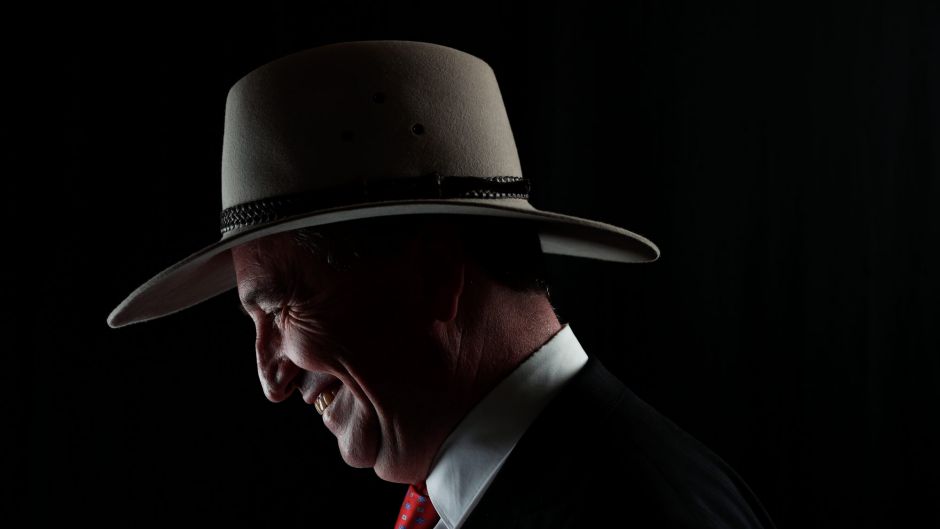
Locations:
{"points": [[357, 457], [394, 474], [399, 469], [356, 429]]}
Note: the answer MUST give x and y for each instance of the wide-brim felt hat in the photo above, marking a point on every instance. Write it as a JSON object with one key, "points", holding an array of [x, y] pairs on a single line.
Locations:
{"points": [[359, 130]]}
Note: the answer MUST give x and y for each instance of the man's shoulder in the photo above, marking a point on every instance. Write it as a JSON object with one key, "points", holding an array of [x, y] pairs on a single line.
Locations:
{"points": [[599, 450]]}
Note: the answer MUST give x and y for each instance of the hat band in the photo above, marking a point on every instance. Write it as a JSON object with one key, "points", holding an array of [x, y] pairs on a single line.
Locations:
{"points": [[428, 186]]}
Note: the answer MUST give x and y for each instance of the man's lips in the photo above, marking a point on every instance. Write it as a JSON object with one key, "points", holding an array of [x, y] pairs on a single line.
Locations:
{"points": [[321, 391]]}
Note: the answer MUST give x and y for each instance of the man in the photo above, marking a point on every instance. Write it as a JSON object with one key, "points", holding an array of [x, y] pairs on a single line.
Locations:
{"points": [[376, 226]]}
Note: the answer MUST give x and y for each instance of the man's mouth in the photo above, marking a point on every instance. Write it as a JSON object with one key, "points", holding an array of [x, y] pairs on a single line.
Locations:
{"points": [[320, 389]]}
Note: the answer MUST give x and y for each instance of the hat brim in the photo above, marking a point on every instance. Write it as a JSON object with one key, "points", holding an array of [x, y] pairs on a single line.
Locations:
{"points": [[209, 272]]}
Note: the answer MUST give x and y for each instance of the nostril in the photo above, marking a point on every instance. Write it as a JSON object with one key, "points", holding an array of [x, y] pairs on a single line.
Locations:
{"points": [[277, 394], [278, 380]]}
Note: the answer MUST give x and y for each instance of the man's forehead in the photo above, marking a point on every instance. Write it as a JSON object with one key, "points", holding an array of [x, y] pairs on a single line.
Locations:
{"points": [[260, 262], [260, 251]]}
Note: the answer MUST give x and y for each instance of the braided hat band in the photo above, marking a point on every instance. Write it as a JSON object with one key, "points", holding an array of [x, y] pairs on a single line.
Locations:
{"points": [[430, 186]]}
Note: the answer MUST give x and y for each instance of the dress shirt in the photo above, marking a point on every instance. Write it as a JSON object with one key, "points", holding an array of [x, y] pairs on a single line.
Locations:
{"points": [[473, 453]]}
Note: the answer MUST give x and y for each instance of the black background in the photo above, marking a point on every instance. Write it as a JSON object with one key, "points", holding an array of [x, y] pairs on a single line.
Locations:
{"points": [[784, 158]]}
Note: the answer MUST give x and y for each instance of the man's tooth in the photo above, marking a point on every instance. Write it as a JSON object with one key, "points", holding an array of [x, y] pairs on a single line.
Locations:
{"points": [[323, 400]]}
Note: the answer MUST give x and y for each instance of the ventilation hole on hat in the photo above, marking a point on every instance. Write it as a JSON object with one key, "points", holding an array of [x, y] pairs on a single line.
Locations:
{"points": [[378, 97], [347, 135], [417, 128]]}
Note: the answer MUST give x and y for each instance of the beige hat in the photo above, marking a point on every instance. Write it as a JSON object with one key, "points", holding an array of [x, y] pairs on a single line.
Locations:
{"points": [[355, 130]]}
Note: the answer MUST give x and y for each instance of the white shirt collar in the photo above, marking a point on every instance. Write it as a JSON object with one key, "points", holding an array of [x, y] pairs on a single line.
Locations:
{"points": [[474, 452]]}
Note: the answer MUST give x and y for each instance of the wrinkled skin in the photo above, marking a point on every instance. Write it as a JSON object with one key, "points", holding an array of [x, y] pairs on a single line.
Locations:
{"points": [[382, 335]]}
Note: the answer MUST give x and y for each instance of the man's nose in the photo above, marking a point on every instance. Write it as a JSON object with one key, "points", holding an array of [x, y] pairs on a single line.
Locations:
{"points": [[276, 373]]}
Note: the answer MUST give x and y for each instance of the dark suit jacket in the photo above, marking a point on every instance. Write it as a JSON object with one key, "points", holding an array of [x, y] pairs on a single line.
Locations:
{"points": [[598, 456]]}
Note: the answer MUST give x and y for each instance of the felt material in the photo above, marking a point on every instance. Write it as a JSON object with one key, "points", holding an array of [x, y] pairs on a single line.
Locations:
{"points": [[356, 112]]}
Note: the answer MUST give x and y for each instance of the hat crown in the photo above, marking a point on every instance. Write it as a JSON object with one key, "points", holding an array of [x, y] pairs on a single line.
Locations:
{"points": [[359, 112]]}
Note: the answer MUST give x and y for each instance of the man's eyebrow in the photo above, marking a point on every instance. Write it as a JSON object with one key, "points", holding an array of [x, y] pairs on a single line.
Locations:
{"points": [[260, 292]]}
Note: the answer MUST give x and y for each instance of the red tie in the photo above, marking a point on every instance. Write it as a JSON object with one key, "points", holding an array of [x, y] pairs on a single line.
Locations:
{"points": [[417, 511]]}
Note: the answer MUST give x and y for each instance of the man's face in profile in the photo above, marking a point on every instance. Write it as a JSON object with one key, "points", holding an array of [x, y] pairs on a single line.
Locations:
{"points": [[363, 335]]}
